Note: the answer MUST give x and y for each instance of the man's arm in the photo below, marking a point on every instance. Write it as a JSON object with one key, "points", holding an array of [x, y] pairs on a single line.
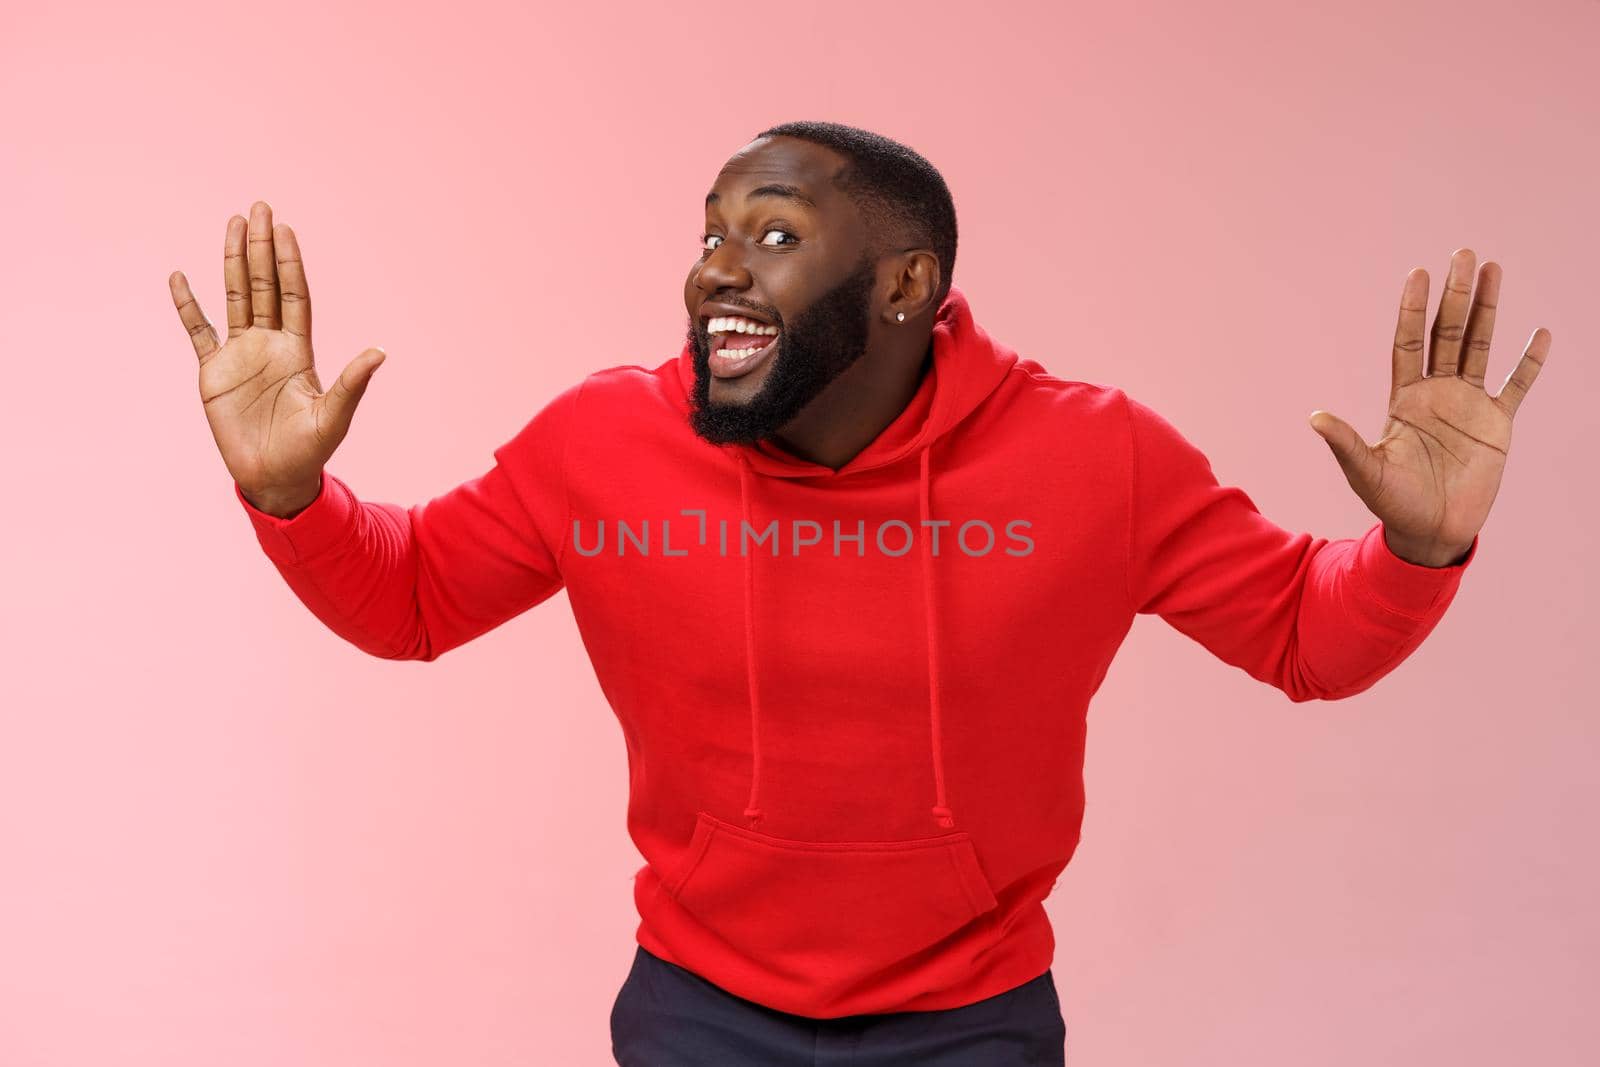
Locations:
{"points": [[1317, 618], [413, 583], [1320, 618]]}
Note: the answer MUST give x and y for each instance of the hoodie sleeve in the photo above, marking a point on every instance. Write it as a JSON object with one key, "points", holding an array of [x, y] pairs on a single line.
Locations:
{"points": [[413, 583], [1317, 618]]}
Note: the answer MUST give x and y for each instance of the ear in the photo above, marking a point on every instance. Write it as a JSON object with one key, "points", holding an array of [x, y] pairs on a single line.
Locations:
{"points": [[916, 279]]}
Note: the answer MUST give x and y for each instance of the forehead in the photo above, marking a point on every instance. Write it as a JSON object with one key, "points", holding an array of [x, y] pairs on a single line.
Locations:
{"points": [[808, 169]]}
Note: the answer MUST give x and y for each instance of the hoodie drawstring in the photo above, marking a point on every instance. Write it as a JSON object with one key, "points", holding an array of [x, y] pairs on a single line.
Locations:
{"points": [[941, 810], [752, 810], [930, 614]]}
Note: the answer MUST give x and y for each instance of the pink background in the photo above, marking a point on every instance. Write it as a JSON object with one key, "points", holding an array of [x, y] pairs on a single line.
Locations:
{"points": [[229, 838]]}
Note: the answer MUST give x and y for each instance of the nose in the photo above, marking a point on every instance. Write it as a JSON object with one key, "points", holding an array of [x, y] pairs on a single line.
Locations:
{"points": [[723, 268]]}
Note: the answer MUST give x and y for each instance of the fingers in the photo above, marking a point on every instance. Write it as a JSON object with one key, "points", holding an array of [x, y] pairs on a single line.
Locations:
{"points": [[1355, 458], [1449, 325], [347, 390], [263, 271], [194, 320], [1521, 378], [1480, 325], [1406, 364], [236, 277], [296, 297]]}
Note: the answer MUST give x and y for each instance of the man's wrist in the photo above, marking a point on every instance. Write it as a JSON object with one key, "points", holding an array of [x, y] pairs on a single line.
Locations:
{"points": [[1425, 554], [283, 503]]}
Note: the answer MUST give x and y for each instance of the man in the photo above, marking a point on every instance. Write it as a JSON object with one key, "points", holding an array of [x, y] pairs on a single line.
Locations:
{"points": [[849, 570]]}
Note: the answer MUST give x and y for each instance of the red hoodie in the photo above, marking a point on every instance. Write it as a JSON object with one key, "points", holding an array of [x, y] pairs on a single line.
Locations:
{"points": [[855, 746]]}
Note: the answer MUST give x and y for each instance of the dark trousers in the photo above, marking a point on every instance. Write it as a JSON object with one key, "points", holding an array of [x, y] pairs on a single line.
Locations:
{"points": [[666, 1016]]}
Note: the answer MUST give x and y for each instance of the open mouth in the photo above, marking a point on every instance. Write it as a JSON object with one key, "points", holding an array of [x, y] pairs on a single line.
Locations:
{"points": [[739, 345]]}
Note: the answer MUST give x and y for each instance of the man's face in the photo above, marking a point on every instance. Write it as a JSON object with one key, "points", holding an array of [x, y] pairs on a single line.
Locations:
{"points": [[793, 259]]}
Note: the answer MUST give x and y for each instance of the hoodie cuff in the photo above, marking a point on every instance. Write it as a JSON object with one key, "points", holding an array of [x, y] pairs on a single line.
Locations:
{"points": [[1403, 587], [323, 524]]}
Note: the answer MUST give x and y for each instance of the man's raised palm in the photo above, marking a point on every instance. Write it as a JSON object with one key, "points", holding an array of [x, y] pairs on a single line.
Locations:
{"points": [[1433, 475], [273, 423]]}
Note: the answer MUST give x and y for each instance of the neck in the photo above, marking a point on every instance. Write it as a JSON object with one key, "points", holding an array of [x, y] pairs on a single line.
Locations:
{"points": [[857, 406]]}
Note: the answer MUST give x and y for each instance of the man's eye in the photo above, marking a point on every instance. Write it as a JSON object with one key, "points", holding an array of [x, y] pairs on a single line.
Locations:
{"points": [[707, 238]]}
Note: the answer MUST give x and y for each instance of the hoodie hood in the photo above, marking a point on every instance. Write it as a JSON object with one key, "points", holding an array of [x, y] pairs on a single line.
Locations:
{"points": [[967, 367]]}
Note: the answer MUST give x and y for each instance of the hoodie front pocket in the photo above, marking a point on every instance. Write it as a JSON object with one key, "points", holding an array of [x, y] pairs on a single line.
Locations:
{"points": [[844, 910]]}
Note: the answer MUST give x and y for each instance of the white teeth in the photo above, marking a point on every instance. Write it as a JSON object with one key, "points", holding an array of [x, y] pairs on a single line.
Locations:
{"points": [[739, 355], [734, 324]]}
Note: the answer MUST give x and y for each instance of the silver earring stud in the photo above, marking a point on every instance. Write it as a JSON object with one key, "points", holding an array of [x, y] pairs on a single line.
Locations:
{"points": [[899, 316]]}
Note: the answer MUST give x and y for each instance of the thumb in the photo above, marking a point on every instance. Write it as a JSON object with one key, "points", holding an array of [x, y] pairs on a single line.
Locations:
{"points": [[1359, 463], [346, 392]]}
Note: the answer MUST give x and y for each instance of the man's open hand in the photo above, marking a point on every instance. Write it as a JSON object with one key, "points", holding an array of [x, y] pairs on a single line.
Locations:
{"points": [[272, 421], [1433, 475]]}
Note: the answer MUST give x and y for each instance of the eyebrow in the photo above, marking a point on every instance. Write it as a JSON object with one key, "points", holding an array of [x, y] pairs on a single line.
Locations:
{"points": [[786, 192]]}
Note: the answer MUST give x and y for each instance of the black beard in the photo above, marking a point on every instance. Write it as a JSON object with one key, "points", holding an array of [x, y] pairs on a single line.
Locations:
{"points": [[824, 341]]}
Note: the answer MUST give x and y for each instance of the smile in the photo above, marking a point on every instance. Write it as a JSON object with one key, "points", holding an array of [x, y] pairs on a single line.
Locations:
{"points": [[739, 345]]}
